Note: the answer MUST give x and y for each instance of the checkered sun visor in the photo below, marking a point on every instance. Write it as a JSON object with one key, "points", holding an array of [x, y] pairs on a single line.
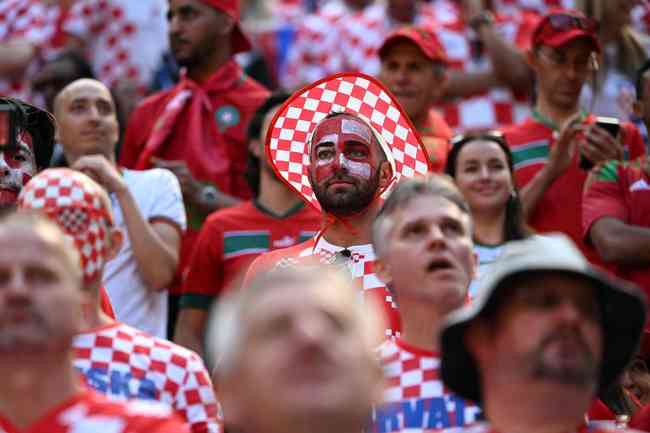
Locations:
{"points": [[287, 141]]}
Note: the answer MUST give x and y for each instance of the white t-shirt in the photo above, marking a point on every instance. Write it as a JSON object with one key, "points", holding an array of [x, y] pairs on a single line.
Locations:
{"points": [[158, 195], [487, 254]]}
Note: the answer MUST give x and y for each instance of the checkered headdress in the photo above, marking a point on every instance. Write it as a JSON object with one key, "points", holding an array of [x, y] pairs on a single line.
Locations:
{"points": [[358, 94], [73, 201]]}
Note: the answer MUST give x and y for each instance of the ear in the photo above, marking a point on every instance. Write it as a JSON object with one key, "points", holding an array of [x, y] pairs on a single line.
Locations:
{"points": [[117, 238], [385, 174], [382, 269], [255, 147], [439, 90]]}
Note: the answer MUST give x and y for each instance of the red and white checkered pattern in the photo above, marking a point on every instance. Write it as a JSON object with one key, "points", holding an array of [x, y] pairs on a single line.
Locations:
{"points": [[90, 412], [360, 265], [499, 106], [356, 94], [180, 378], [37, 23], [73, 201], [414, 374]]}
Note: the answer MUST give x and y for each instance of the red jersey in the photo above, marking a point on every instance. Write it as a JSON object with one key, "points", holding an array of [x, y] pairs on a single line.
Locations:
{"points": [[436, 135], [619, 190], [560, 208], [499, 106], [125, 364], [232, 238], [359, 260], [415, 398], [89, 412]]}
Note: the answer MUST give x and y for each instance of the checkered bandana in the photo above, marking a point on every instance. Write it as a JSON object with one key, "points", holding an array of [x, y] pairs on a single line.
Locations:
{"points": [[72, 200], [353, 93]]}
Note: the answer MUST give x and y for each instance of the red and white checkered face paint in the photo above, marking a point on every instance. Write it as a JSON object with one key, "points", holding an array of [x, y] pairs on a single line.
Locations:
{"points": [[361, 96], [17, 166], [73, 201]]}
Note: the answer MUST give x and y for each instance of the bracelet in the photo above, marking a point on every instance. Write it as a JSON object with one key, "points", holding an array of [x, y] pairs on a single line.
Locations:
{"points": [[480, 20]]}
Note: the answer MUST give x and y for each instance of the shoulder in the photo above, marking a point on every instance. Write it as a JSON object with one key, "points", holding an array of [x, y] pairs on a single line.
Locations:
{"points": [[136, 413], [154, 180], [241, 210], [282, 257], [480, 427]]}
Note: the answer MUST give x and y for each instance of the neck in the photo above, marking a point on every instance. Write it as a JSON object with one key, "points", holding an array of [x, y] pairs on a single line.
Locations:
{"points": [[421, 324], [29, 390], [274, 195], [93, 315], [71, 159], [201, 72], [513, 407], [558, 115], [355, 230], [488, 227]]}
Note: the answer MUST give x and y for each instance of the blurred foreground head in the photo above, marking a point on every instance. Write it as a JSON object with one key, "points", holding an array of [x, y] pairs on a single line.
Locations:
{"points": [[294, 353]]}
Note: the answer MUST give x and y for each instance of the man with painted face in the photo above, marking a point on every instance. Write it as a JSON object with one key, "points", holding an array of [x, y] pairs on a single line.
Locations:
{"points": [[118, 360], [349, 158], [27, 152]]}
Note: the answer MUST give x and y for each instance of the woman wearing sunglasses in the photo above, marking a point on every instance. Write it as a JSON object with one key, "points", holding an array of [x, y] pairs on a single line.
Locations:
{"points": [[481, 165]]}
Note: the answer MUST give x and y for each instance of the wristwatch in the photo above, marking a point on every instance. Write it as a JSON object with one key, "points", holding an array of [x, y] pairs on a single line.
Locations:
{"points": [[208, 195], [481, 19]]}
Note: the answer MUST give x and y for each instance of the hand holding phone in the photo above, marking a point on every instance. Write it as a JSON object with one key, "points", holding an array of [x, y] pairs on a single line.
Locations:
{"points": [[598, 146]]}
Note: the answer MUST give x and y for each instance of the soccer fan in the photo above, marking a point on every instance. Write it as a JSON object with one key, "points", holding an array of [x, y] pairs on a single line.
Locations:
{"points": [[294, 353], [489, 81], [553, 149], [116, 359], [148, 206], [197, 129], [413, 66], [423, 241], [41, 310], [231, 238], [545, 335], [340, 143]]}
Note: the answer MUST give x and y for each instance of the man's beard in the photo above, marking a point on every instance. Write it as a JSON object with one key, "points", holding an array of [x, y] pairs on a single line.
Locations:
{"points": [[349, 202], [584, 374]]}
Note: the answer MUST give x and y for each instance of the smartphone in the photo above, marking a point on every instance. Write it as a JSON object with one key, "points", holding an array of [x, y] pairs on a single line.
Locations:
{"points": [[7, 126], [609, 124]]}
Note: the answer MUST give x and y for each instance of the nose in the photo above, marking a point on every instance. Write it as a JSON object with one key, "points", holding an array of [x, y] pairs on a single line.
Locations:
{"points": [[484, 173], [310, 330], [174, 25], [436, 237], [569, 311], [5, 170], [16, 287]]}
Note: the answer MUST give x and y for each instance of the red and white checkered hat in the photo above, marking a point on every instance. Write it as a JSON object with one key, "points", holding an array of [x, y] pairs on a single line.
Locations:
{"points": [[287, 141], [74, 202]]}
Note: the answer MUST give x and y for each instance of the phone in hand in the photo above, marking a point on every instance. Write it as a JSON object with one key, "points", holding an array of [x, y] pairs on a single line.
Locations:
{"points": [[609, 124]]}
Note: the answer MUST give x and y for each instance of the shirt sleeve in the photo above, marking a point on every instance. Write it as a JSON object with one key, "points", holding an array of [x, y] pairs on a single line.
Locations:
{"points": [[168, 204], [204, 278], [603, 197], [634, 147], [196, 400]]}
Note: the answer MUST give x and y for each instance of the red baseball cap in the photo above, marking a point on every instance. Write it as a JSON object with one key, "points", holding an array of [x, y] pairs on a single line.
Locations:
{"points": [[239, 41], [561, 26], [423, 38]]}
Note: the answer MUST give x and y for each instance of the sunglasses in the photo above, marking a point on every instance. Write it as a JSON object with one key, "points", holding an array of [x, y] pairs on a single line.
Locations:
{"points": [[565, 22]]}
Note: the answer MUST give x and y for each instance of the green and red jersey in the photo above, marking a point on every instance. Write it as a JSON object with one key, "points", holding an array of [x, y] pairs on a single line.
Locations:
{"points": [[232, 238], [619, 190], [560, 208]]}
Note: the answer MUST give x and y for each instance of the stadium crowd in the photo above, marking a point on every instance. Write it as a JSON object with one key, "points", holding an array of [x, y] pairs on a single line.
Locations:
{"points": [[306, 216]]}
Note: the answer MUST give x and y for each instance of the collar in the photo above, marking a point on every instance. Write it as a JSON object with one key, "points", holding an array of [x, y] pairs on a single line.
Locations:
{"points": [[364, 249], [549, 123]]}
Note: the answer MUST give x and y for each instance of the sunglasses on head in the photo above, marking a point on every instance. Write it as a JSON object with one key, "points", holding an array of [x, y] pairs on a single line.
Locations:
{"points": [[564, 22]]}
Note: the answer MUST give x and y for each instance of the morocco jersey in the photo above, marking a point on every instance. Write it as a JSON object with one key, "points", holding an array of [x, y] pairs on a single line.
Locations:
{"points": [[90, 412], [415, 398], [359, 260], [232, 238], [125, 363], [619, 190], [560, 208]]}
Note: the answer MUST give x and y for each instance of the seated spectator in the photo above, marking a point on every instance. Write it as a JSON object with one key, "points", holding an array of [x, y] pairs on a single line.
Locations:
{"points": [[546, 334], [611, 92], [553, 149], [148, 206], [423, 240], [232, 238], [413, 66], [294, 354], [489, 82], [41, 309], [481, 165], [138, 366]]}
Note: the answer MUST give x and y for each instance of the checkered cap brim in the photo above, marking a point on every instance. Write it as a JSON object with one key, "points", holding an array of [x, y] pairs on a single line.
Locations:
{"points": [[354, 93]]}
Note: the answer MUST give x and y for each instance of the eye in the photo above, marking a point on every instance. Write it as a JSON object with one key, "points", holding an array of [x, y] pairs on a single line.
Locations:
{"points": [[20, 157], [40, 275], [452, 227], [104, 108], [414, 230], [473, 168], [325, 154], [358, 153]]}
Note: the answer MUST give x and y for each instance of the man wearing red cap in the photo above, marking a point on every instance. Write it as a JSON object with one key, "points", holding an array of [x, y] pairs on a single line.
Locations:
{"points": [[198, 128], [413, 67], [553, 149]]}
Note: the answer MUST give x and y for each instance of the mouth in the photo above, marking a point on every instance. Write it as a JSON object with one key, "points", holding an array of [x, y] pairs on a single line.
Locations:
{"points": [[437, 265]]}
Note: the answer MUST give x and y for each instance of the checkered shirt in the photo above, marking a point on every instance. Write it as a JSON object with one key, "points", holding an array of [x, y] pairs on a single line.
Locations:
{"points": [[360, 265], [358, 94], [125, 363], [413, 381], [499, 106], [35, 22]]}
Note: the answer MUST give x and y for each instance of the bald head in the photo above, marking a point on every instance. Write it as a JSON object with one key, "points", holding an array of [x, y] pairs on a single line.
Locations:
{"points": [[87, 121]]}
